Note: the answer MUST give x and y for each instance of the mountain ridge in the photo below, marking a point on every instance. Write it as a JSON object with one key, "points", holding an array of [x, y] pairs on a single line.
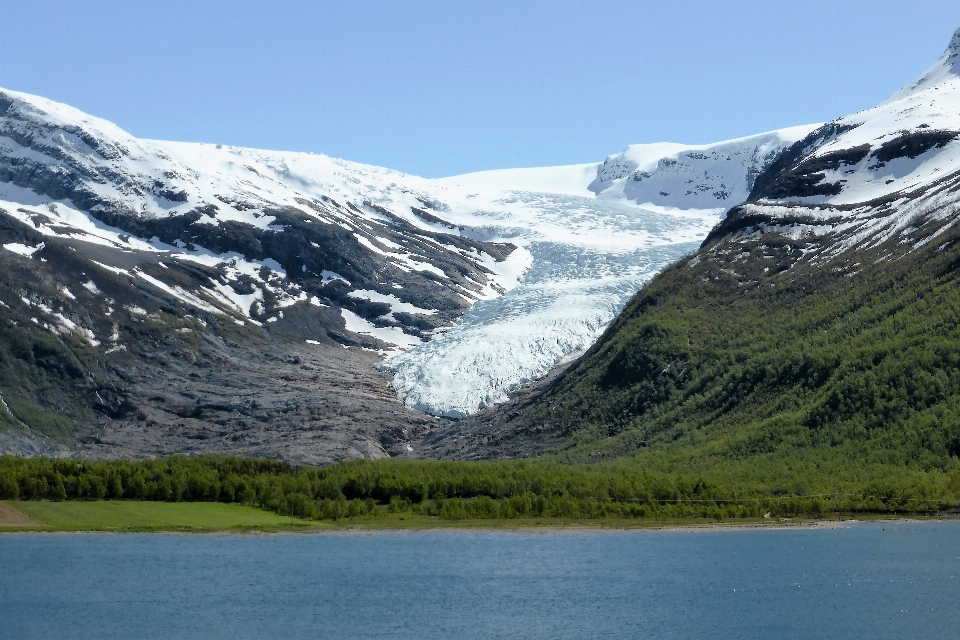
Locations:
{"points": [[154, 262]]}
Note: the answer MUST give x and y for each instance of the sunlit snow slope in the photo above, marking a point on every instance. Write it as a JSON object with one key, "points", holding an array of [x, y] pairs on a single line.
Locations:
{"points": [[470, 286], [860, 180]]}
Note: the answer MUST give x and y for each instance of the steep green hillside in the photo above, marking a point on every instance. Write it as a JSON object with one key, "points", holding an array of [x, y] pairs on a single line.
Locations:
{"points": [[753, 352], [44, 378]]}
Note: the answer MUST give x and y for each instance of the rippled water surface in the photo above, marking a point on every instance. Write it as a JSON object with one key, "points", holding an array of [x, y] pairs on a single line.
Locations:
{"points": [[877, 580]]}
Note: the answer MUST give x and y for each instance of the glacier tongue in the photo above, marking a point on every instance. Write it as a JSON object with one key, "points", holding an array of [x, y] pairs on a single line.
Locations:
{"points": [[589, 257]]}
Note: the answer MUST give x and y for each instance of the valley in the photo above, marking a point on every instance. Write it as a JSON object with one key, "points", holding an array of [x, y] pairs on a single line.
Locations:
{"points": [[797, 338], [434, 320], [815, 325]]}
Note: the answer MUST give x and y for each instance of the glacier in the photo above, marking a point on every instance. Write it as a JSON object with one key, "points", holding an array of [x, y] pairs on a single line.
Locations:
{"points": [[574, 287]]}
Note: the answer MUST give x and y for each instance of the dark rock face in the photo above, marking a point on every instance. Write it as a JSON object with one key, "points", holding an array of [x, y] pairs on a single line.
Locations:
{"points": [[912, 144], [158, 377], [794, 174]]}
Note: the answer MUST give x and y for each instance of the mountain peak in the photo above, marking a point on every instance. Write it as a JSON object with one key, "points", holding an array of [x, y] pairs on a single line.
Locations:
{"points": [[945, 69], [953, 49]]}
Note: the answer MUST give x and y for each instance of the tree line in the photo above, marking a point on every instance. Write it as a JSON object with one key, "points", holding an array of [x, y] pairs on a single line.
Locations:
{"points": [[463, 490]]}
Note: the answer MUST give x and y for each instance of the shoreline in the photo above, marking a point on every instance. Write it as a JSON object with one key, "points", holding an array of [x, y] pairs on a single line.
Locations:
{"points": [[516, 527]]}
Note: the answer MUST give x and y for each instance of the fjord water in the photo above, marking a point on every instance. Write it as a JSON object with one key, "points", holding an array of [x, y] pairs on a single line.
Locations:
{"points": [[871, 580]]}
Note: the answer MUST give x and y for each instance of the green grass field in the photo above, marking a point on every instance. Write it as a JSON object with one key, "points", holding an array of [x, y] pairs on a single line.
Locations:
{"points": [[210, 517], [124, 515]]}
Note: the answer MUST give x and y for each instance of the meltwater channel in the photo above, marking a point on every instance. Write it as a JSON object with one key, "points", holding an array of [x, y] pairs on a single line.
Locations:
{"points": [[861, 580]]}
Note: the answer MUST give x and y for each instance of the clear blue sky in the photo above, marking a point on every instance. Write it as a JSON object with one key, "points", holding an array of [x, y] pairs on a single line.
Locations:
{"points": [[440, 88]]}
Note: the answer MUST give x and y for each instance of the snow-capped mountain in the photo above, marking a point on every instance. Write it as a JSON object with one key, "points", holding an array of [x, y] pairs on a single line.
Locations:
{"points": [[856, 182], [468, 286], [675, 176], [281, 227]]}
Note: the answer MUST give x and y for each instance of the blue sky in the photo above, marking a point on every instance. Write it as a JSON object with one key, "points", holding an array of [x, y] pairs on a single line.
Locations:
{"points": [[441, 88]]}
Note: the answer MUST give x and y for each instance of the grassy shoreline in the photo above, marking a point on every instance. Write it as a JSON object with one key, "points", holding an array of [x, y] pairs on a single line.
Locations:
{"points": [[145, 516], [122, 516]]}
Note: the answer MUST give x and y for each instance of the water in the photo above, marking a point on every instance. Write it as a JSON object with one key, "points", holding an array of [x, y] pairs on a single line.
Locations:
{"points": [[876, 580]]}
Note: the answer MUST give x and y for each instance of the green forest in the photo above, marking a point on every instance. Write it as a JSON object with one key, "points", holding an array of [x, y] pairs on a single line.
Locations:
{"points": [[468, 490]]}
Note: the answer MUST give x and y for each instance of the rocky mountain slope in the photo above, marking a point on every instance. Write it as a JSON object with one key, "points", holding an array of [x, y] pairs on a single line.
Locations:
{"points": [[131, 266], [160, 297], [279, 224], [820, 315]]}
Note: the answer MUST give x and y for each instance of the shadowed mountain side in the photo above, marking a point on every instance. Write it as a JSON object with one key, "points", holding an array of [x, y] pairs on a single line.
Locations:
{"points": [[315, 405]]}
